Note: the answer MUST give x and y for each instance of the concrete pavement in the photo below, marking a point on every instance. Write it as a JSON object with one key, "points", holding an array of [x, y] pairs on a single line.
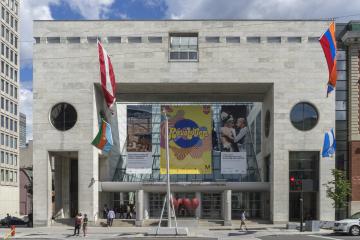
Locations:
{"points": [[223, 233]]}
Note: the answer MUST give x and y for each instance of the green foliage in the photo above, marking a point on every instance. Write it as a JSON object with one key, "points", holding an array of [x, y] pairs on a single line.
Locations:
{"points": [[339, 189]]}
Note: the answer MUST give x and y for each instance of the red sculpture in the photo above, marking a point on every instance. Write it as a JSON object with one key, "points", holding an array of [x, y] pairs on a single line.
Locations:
{"points": [[195, 203], [187, 203], [179, 201], [175, 202]]}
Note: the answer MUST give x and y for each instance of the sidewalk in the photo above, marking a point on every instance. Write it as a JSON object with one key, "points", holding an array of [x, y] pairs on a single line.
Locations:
{"points": [[233, 232]]}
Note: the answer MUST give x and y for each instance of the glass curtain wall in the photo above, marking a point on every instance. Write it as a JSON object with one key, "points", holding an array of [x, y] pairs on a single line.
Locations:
{"points": [[253, 146]]}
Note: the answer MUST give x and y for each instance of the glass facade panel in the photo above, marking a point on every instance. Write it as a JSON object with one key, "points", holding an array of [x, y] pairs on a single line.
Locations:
{"points": [[252, 173]]}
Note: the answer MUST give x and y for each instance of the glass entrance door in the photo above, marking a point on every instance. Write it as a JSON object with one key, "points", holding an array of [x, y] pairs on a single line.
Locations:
{"points": [[211, 205]]}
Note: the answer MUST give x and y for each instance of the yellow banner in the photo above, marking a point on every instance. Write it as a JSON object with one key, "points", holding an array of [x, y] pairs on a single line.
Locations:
{"points": [[190, 136]]}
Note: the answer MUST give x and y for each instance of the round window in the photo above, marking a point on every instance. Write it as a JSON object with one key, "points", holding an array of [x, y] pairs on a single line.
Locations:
{"points": [[267, 123], [63, 116], [304, 116]]}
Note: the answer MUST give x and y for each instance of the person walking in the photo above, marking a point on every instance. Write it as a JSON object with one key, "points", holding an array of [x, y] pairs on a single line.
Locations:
{"points": [[242, 219], [78, 220], [84, 226], [110, 216]]}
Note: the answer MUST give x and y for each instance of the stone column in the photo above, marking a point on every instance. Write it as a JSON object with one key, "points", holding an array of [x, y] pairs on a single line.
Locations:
{"points": [[146, 206], [42, 187], [227, 207], [88, 182], [139, 208], [198, 210]]}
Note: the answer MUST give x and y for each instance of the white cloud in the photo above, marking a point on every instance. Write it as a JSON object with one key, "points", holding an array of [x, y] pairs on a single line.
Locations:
{"points": [[91, 9], [260, 9], [26, 103]]}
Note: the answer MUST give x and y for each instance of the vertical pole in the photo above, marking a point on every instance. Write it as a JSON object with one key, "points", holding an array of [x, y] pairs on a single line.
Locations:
{"points": [[168, 169], [301, 210]]}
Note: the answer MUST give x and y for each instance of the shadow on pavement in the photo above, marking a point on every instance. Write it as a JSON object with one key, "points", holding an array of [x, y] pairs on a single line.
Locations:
{"points": [[241, 233]]}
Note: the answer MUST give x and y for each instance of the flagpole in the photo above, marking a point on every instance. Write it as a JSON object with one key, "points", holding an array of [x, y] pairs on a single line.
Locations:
{"points": [[168, 168]]}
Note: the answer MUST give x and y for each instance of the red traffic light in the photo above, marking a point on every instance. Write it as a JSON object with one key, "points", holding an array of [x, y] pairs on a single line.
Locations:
{"points": [[292, 179]]}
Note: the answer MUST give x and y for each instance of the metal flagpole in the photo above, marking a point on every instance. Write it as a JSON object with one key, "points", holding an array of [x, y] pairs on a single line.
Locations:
{"points": [[168, 169]]}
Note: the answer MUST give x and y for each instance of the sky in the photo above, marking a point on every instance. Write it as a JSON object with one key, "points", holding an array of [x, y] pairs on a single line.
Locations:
{"points": [[341, 10]]}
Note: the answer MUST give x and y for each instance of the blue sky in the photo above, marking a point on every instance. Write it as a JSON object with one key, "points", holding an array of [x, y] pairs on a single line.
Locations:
{"points": [[162, 9]]}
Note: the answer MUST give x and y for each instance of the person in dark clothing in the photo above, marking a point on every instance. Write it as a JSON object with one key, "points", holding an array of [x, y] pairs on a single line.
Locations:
{"points": [[78, 220], [8, 220]]}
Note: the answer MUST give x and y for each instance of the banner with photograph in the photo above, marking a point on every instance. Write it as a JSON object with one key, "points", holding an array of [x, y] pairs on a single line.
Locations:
{"points": [[233, 134], [139, 144], [190, 140]]}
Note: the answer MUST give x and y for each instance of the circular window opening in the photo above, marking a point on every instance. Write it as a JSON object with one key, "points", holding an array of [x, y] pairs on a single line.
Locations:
{"points": [[267, 123], [63, 116], [304, 116]]}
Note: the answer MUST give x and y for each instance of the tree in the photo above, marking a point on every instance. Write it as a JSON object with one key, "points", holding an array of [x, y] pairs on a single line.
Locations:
{"points": [[338, 189]]}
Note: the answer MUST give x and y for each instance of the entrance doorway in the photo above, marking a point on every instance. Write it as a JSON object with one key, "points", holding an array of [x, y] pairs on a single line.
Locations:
{"points": [[65, 196], [211, 205]]}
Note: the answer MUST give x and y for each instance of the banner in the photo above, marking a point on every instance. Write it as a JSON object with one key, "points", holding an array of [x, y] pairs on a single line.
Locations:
{"points": [[190, 135], [233, 134], [139, 144]]}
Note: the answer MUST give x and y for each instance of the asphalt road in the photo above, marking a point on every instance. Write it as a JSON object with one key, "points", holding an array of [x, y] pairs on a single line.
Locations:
{"points": [[310, 237]]}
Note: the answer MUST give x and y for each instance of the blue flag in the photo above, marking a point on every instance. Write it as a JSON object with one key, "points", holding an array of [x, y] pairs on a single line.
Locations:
{"points": [[329, 144]]}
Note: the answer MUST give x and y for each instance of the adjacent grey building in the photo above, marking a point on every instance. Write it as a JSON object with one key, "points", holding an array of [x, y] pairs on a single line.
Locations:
{"points": [[275, 68], [9, 100], [22, 132]]}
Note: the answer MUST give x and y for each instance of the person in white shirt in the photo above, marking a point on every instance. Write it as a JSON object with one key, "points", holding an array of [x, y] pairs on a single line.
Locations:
{"points": [[110, 217]]}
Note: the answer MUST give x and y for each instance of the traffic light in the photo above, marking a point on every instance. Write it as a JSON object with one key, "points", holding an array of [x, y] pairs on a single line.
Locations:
{"points": [[295, 184]]}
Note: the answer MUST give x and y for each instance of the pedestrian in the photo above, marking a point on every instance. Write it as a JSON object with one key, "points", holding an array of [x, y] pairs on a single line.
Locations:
{"points": [[78, 220], [242, 219], [105, 211], [8, 220], [85, 222], [110, 217], [128, 212]]}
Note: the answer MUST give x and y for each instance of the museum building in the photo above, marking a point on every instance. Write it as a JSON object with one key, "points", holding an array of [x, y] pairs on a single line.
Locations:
{"points": [[247, 109]]}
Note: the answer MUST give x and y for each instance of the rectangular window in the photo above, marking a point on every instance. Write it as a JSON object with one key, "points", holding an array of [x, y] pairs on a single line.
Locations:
{"points": [[11, 90], [11, 142], [212, 39], [2, 121], [11, 161], [73, 40], [16, 42], [6, 122], [183, 47], [15, 75], [6, 175], [2, 158], [2, 103], [15, 109], [7, 35], [53, 40], [273, 39], [258, 133], [7, 17], [155, 39], [134, 39], [12, 21], [313, 39], [3, 31], [2, 67], [7, 105], [15, 126], [16, 25], [11, 73], [11, 125], [3, 13], [114, 39], [15, 143], [2, 177], [11, 56], [3, 85], [7, 88], [2, 49], [15, 92], [93, 39], [7, 70], [6, 52], [232, 39], [6, 140], [15, 177], [253, 39], [11, 178], [294, 39], [7, 158], [2, 139], [15, 160]]}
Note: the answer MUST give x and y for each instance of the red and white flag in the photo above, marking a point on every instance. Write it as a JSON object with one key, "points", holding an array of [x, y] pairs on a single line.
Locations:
{"points": [[107, 76]]}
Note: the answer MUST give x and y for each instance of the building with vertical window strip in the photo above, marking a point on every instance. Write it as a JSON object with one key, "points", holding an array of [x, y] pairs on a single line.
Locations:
{"points": [[9, 116], [247, 107]]}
